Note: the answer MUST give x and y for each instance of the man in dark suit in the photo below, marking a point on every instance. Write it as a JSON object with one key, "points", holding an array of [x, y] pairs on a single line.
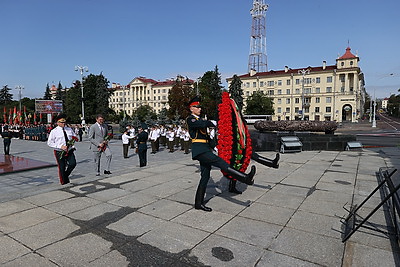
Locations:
{"points": [[202, 151], [98, 133], [142, 145]]}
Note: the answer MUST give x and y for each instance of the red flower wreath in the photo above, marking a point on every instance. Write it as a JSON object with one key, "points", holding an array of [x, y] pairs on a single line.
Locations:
{"points": [[234, 142]]}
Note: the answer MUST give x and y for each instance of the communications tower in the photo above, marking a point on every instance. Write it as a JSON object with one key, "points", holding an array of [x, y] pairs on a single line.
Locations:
{"points": [[258, 39]]}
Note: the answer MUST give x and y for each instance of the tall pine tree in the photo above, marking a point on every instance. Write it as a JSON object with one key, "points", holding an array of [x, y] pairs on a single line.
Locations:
{"points": [[179, 95], [236, 91], [210, 88], [47, 93], [5, 95]]}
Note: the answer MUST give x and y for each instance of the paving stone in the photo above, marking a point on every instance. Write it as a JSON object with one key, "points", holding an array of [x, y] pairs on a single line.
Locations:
{"points": [[48, 197], [280, 200], [45, 233], [165, 209], [114, 258], [249, 231], [24, 219], [76, 251], [136, 224], [269, 214], [71, 205], [206, 221], [136, 200], [358, 255], [173, 237], [109, 194], [11, 249], [14, 206], [221, 251], [307, 247], [31, 260], [93, 211], [280, 260]]}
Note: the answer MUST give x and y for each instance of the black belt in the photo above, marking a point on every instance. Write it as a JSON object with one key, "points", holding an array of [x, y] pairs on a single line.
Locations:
{"points": [[142, 142]]}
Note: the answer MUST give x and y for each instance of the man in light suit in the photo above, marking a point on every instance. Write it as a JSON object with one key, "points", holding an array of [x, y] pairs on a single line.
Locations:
{"points": [[98, 133]]}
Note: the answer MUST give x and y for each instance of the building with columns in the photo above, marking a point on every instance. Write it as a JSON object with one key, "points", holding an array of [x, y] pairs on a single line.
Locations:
{"points": [[324, 93], [142, 91]]}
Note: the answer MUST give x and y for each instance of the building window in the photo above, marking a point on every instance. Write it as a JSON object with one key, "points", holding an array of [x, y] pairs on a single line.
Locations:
{"points": [[307, 81], [279, 110], [254, 84], [297, 81], [297, 100], [329, 89], [317, 90], [342, 64], [270, 83], [351, 63], [287, 100], [318, 80], [155, 91], [342, 89], [287, 110], [328, 109], [247, 84], [279, 92], [279, 101], [261, 84], [288, 91], [247, 93], [279, 82], [296, 110], [329, 99], [317, 100], [271, 92], [297, 91], [307, 90], [307, 110], [164, 91], [316, 109], [288, 82], [329, 79], [342, 78]]}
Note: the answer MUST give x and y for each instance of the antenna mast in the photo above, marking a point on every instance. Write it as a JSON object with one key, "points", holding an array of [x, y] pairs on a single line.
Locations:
{"points": [[258, 39]]}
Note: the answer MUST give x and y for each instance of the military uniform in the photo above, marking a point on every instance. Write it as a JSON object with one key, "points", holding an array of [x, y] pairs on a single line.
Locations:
{"points": [[6, 140], [202, 151], [142, 147]]}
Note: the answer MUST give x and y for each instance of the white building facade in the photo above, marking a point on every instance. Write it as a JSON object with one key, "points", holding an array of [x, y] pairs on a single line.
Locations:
{"points": [[322, 93]]}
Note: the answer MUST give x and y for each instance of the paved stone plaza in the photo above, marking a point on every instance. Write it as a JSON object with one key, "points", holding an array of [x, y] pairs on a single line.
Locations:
{"points": [[145, 216]]}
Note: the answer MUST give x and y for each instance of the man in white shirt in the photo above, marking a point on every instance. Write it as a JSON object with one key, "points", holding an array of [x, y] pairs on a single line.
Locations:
{"points": [[62, 139]]}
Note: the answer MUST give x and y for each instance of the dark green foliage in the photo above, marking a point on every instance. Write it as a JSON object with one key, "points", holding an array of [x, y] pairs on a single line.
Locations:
{"points": [[258, 103], [393, 107], [210, 88], [236, 91], [5, 95], [145, 112], [47, 93]]}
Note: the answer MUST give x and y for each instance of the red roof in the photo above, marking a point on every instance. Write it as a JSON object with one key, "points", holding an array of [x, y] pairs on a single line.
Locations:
{"points": [[282, 72], [348, 54]]}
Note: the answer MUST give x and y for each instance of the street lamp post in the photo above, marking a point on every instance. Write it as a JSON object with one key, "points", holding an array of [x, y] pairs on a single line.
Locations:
{"points": [[123, 90], [303, 72], [81, 70], [19, 87]]}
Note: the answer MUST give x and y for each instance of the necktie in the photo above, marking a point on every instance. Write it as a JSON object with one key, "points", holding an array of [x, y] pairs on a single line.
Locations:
{"points": [[65, 136], [101, 129]]}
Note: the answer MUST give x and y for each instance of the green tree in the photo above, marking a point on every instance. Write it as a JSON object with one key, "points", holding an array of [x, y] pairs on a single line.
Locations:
{"points": [[145, 112], [5, 95], [236, 91], [258, 103], [178, 98], [47, 93], [95, 96], [210, 88], [393, 106]]}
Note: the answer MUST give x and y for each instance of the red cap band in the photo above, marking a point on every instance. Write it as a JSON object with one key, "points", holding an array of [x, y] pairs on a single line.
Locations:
{"points": [[194, 104]]}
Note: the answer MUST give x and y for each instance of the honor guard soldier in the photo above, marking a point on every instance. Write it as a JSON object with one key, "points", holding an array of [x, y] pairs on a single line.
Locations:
{"points": [[202, 151], [62, 139], [141, 142]]}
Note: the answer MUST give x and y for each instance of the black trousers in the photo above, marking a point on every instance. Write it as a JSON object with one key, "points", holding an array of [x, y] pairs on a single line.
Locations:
{"points": [[142, 157], [207, 160], [7, 143], [125, 148], [66, 164]]}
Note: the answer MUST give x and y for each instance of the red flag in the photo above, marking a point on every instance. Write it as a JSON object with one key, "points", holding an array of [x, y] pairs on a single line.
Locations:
{"points": [[34, 118], [25, 117], [5, 115], [40, 117]]}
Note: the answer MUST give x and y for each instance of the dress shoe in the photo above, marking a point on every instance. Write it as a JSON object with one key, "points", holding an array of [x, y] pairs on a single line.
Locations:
{"points": [[107, 172], [203, 207], [98, 174]]}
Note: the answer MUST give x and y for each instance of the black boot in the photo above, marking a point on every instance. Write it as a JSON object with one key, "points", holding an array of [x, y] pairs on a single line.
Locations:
{"points": [[244, 178], [199, 199], [232, 187], [267, 162]]}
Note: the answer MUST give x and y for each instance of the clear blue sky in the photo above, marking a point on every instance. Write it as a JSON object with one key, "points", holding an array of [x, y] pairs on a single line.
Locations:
{"points": [[43, 40]]}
